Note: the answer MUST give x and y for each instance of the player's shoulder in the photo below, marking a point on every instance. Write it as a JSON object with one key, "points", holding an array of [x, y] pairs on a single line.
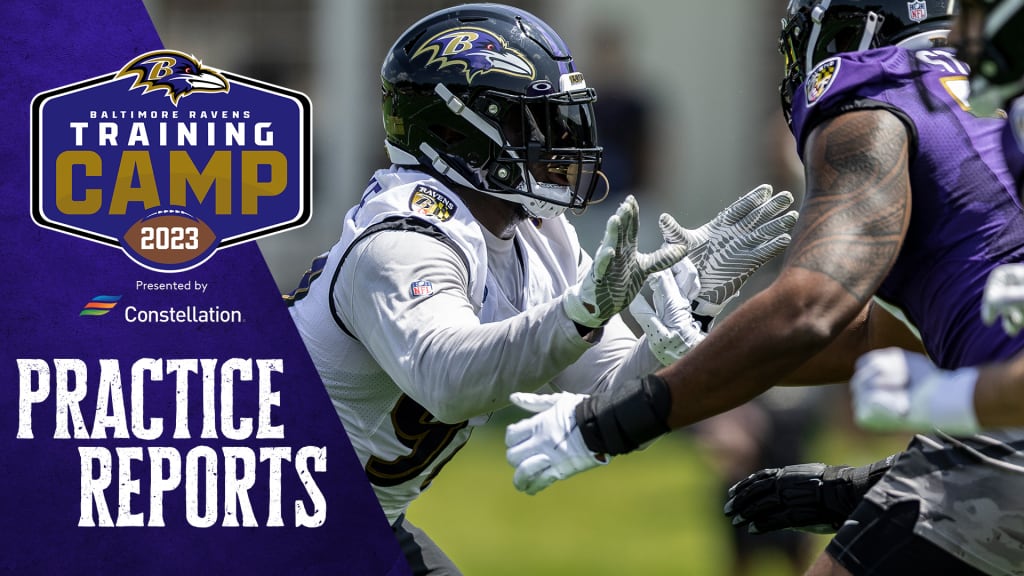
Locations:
{"points": [[413, 201], [847, 81], [870, 73]]}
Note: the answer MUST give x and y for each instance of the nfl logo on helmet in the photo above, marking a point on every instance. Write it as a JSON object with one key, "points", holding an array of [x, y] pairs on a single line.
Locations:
{"points": [[918, 11]]}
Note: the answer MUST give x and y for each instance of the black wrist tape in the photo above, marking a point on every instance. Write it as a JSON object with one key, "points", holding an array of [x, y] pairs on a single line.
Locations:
{"points": [[628, 416], [859, 481]]}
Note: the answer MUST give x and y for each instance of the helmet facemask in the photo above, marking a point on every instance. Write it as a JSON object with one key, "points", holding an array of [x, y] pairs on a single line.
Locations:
{"points": [[547, 158], [539, 151]]}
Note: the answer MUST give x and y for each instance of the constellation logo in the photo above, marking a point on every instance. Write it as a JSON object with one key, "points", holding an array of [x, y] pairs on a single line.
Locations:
{"points": [[100, 305]]}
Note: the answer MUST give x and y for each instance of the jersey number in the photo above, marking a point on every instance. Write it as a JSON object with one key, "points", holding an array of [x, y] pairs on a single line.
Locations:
{"points": [[422, 434], [942, 59]]}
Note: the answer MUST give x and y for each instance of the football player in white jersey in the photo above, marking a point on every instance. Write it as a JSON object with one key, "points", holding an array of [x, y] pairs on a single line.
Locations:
{"points": [[457, 280]]}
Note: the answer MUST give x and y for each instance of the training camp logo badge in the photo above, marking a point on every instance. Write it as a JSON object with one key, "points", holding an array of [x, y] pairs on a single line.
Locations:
{"points": [[820, 79], [476, 51], [170, 160], [426, 201]]}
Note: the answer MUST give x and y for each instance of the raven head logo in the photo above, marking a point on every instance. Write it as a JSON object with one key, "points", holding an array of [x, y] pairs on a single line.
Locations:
{"points": [[174, 72], [476, 51]]}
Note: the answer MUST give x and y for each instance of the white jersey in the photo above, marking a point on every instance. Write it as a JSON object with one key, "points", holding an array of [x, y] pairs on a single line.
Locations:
{"points": [[421, 323]]}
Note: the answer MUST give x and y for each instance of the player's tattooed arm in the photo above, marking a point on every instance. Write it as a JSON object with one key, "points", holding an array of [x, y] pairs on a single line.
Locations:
{"points": [[850, 231], [857, 206]]}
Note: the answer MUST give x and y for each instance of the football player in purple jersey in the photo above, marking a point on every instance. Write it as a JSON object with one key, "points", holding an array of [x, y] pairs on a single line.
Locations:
{"points": [[900, 390], [909, 207]]}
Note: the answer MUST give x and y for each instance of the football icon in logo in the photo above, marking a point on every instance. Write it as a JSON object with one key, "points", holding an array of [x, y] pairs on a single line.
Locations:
{"points": [[170, 238]]}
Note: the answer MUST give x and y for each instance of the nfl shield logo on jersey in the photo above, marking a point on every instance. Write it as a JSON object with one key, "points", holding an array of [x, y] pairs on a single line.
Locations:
{"points": [[918, 10], [421, 288]]}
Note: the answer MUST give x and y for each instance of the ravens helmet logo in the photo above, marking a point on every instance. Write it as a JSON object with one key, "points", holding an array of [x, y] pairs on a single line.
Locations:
{"points": [[176, 73], [476, 51]]}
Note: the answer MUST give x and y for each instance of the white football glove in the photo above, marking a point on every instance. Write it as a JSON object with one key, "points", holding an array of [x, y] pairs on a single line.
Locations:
{"points": [[547, 446], [734, 244], [618, 271], [670, 328], [894, 389], [1004, 296]]}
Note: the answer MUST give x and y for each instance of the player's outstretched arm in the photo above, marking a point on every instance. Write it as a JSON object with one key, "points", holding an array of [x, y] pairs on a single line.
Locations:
{"points": [[855, 215], [851, 227]]}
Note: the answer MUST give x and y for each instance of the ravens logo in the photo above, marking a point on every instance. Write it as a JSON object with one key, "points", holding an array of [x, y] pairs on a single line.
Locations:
{"points": [[476, 51], [177, 73]]}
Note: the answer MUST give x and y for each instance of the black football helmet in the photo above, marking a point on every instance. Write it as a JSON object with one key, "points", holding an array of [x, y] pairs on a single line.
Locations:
{"points": [[488, 97], [991, 41], [817, 29]]}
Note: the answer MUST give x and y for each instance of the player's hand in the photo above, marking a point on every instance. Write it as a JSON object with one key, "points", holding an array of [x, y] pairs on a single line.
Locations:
{"points": [[808, 497], [894, 389], [734, 244], [547, 446], [670, 328], [1004, 296], [618, 271]]}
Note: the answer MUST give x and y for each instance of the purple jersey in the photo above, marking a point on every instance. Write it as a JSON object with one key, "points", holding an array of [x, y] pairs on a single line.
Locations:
{"points": [[966, 218], [1013, 141]]}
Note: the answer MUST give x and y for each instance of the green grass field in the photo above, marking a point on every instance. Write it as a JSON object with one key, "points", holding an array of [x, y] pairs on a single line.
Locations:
{"points": [[653, 512]]}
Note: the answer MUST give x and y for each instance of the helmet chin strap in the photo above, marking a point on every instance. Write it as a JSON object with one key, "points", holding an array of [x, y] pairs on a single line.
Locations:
{"points": [[872, 24]]}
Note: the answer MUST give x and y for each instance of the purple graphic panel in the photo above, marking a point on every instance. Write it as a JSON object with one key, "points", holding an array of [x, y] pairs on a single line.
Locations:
{"points": [[154, 423]]}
